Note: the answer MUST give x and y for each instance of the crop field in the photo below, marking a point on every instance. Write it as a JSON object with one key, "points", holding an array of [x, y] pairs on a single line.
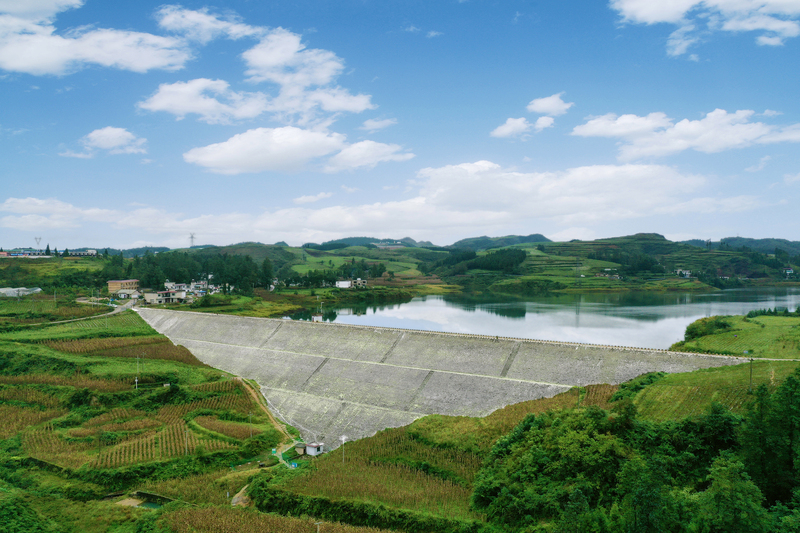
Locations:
{"points": [[38, 308], [394, 485], [15, 419], [210, 487], [430, 465], [126, 324], [775, 337], [678, 396], [229, 429], [228, 520]]}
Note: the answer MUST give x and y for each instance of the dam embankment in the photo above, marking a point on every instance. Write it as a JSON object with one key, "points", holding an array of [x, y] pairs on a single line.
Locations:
{"points": [[329, 380]]}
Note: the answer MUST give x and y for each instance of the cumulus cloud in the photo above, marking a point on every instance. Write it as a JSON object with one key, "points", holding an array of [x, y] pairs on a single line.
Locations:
{"points": [[776, 20], [305, 76], [213, 100], [550, 105], [513, 127], [286, 149], [29, 43], [462, 199], [371, 125], [312, 199], [543, 122], [202, 26], [114, 140], [33, 214], [656, 135], [366, 154]]}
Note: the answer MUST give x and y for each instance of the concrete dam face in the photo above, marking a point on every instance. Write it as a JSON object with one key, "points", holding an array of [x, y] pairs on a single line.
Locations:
{"points": [[329, 380]]}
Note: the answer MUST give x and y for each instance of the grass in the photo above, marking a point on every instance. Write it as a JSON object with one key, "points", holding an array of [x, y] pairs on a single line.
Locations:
{"points": [[228, 520], [776, 337], [678, 396], [428, 466]]}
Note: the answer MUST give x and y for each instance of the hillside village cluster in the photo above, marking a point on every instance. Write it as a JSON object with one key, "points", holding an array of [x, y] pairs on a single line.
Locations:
{"points": [[174, 293]]}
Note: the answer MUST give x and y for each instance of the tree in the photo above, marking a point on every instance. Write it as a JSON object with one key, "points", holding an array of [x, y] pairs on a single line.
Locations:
{"points": [[66, 253], [47, 250], [732, 504], [266, 273]]}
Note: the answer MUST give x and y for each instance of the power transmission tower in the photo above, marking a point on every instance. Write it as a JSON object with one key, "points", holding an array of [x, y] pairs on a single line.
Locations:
{"points": [[191, 240]]}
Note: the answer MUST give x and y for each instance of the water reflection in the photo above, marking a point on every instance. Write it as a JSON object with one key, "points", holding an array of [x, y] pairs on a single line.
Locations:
{"points": [[651, 320]]}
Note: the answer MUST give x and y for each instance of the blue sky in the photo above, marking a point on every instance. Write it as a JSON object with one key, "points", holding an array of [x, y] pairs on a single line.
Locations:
{"points": [[137, 123]]}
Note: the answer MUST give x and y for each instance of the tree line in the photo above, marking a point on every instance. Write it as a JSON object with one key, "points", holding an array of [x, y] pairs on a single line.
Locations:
{"points": [[591, 470]]}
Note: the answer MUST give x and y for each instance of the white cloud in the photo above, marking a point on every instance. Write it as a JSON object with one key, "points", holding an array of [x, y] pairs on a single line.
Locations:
{"points": [[285, 149], [411, 29], [543, 122], [513, 127], [350, 190], [760, 166], [312, 199], [789, 178], [29, 43], [366, 154], [33, 214], [776, 19], [114, 140], [182, 98], [372, 125], [584, 234], [470, 198], [281, 58], [431, 34], [550, 105], [202, 26], [37, 9], [657, 135]]}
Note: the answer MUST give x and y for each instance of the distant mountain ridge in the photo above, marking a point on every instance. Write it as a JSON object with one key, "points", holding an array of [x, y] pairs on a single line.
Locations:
{"points": [[487, 243], [764, 246]]}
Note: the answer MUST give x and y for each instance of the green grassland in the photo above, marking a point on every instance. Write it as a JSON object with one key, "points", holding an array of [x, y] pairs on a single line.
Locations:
{"points": [[76, 428], [78, 424], [776, 337]]}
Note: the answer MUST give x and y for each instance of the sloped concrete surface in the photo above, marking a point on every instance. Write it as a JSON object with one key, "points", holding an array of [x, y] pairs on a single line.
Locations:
{"points": [[329, 380]]}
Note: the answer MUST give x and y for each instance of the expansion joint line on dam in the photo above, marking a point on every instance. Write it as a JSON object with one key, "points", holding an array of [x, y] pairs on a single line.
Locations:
{"points": [[452, 372]]}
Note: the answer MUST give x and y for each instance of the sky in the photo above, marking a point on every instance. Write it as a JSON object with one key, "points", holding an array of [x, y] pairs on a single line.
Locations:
{"points": [[126, 124]]}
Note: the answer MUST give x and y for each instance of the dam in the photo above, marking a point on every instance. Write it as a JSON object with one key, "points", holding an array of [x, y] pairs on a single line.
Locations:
{"points": [[329, 380]]}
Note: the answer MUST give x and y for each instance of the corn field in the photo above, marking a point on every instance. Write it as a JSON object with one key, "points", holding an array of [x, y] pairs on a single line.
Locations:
{"points": [[226, 386], [78, 346], [77, 381], [211, 487], [392, 485], [45, 444], [29, 396], [224, 427], [237, 520], [171, 442], [599, 395], [397, 443], [113, 415], [171, 414], [15, 419]]}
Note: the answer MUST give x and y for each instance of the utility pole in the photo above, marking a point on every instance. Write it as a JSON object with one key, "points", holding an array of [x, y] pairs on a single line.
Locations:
{"points": [[343, 438]]}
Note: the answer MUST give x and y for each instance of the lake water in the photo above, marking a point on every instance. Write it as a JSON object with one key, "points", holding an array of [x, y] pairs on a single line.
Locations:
{"points": [[646, 320]]}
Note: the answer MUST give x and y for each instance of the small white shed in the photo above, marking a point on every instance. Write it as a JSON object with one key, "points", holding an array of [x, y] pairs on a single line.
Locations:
{"points": [[315, 448]]}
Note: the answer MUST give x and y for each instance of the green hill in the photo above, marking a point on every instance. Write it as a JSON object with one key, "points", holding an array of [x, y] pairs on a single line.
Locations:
{"points": [[488, 243]]}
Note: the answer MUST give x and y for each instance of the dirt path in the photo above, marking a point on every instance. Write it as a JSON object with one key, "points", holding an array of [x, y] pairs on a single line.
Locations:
{"points": [[288, 441]]}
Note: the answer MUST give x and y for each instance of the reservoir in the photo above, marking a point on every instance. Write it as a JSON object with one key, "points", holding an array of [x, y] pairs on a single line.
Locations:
{"points": [[639, 319]]}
